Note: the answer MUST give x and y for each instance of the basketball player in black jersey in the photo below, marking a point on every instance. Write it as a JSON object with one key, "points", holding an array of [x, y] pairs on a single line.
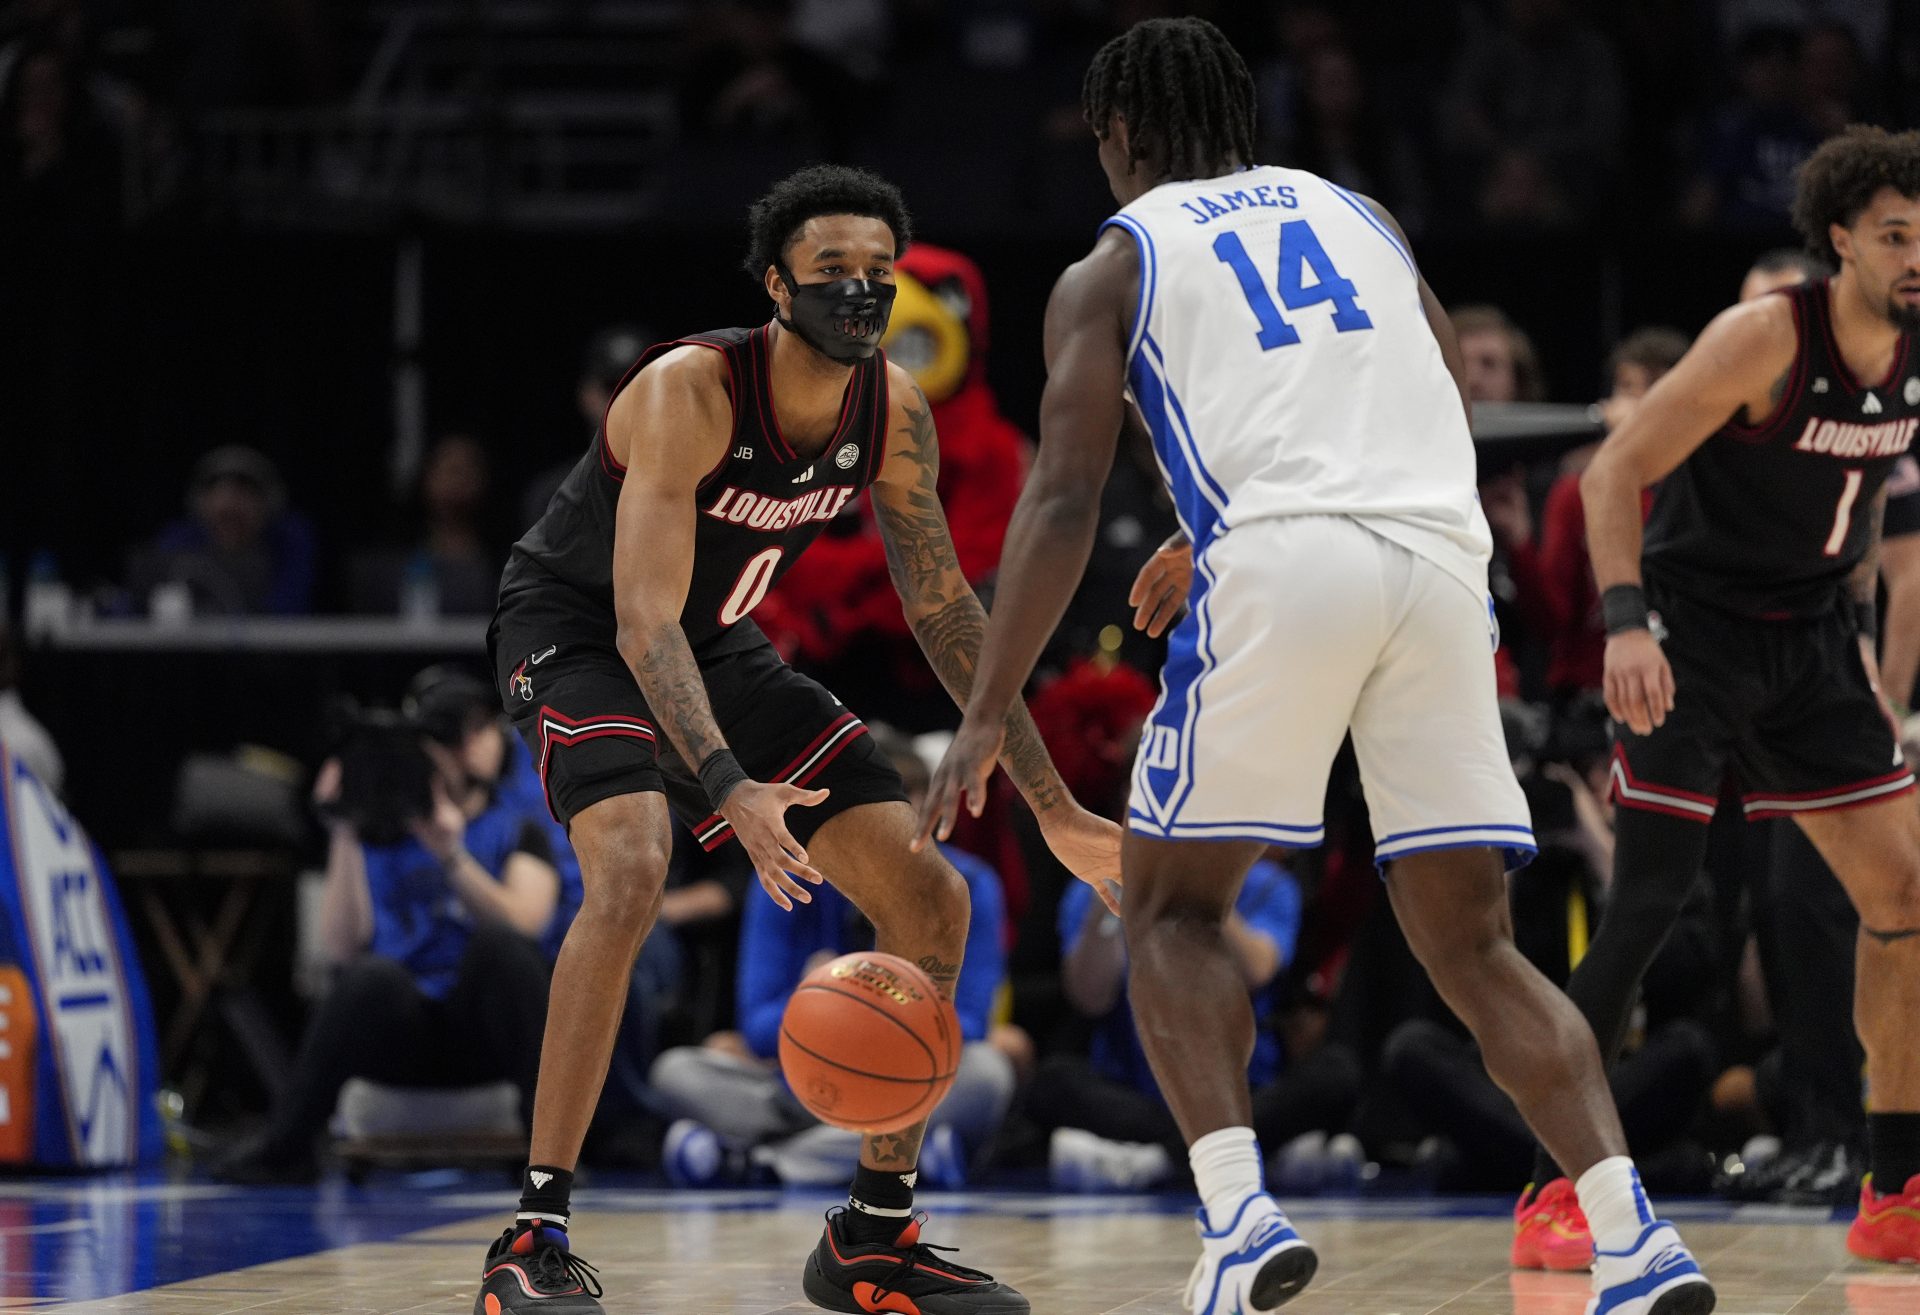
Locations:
{"points": [[1741, 631], [626, 657]]}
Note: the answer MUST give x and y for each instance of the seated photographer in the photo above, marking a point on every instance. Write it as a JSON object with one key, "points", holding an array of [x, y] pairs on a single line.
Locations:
{"points": [[438, 890], [727, 1095]]}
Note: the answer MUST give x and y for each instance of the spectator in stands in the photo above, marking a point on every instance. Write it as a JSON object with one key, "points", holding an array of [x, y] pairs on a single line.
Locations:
{"points": [[610, 353], [748, 76], [1533, 115], [437, 933], [1502, 365], [240, 550], [1744, 167], [450, 562], [1833, 86], [836, 606], [1780, 268], [1341, 132], [727, 1095], [59, 159], [20, 732], [1111, 1126], [1553, 579]]}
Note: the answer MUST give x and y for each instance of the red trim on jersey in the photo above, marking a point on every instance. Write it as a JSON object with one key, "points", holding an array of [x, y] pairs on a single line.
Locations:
{"points": [[849, 404], [1840, 365], [1891, 786], [1790, 397], [611, 465], [792, 773], [558, 729], [761, 340]]}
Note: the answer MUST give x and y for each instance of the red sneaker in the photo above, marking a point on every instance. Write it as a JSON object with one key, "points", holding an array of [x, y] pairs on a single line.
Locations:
{"points": [[1887, 1227], [1549, 1230]]}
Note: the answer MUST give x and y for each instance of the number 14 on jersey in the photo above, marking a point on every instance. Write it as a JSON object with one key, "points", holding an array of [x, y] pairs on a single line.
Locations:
{"points": [[1300, 254]]}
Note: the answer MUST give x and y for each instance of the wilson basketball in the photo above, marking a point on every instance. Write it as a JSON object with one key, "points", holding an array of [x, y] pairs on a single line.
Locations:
{"points": [[867, 1043]]}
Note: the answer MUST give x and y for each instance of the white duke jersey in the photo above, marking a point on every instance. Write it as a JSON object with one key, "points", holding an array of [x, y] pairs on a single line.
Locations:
{"points": [[1284, 364]]}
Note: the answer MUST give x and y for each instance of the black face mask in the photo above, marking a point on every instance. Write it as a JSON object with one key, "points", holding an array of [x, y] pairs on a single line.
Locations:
{"points": [[843, 320]]}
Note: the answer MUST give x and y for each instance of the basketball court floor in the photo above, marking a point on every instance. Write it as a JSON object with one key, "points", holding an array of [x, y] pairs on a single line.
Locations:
{"points": [[414, 1244]]}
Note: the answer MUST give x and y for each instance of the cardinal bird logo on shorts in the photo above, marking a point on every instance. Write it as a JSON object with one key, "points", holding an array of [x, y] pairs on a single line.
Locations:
{"points": [[521, 683]]}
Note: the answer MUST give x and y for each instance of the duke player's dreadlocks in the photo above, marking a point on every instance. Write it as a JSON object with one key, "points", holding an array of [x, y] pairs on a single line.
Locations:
{"points": [[1182, 88]]}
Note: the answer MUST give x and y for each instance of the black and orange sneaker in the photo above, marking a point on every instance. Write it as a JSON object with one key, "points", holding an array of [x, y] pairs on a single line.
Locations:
{"points": [[904, 1277], [530, 1268]]}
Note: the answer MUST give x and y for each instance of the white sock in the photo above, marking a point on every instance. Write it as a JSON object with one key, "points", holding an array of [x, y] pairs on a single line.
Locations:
{"points": [[1227, 1170], [1614, 1203]]}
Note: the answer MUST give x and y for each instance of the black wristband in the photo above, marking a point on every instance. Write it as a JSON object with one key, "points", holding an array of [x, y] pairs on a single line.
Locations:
{"points": [[1866, 617], [1624, 607], [718, 775]]}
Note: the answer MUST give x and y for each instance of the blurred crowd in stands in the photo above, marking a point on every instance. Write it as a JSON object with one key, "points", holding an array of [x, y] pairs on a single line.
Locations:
{"points": [[1543, 114], [1529, 113]]}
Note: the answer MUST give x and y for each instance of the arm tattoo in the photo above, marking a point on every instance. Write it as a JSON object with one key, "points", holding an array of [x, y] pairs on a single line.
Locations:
{"points": [[677, 694], [920, 550], [946, 617]]}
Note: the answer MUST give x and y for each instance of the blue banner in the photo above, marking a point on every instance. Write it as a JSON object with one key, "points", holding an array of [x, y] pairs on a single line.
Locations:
{"points": [[95, 1064]]}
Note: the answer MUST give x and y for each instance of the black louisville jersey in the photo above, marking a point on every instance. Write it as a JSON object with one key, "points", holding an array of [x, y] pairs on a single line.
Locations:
{"points": [[1768, 520], [759, 508]]}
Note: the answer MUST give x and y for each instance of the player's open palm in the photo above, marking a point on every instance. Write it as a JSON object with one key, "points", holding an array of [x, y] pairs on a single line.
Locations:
{"points": [[1159, 592], [1639, 683], [758, 812]]}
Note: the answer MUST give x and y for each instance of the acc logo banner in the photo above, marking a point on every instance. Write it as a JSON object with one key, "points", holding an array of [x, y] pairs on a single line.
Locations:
{"points": [[95, 1069]]}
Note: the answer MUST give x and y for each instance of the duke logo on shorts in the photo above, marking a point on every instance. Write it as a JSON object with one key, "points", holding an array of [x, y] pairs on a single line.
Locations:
{"points": [[1320, 462]]}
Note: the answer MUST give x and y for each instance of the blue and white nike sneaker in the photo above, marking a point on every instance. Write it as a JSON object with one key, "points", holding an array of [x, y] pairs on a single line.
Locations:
{"points": [[1657, 1275], [1256, 1263]]}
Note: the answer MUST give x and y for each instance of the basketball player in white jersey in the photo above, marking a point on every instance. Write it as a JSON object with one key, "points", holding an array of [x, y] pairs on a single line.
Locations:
{"points": [[1301, 386]]}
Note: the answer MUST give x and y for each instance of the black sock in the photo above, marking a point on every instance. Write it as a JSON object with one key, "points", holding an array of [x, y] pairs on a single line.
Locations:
{"points": [[544, 1193], [1544, 1169], [1893, 1151], [879, 1206]]}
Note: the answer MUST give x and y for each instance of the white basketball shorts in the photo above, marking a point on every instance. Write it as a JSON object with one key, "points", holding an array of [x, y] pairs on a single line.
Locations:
{"points": [[1299, 629]]}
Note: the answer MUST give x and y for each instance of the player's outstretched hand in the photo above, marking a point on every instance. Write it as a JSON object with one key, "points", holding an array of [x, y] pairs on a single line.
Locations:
{"points": [[1159, 592], [1639, 683], [961, 779], [1088, 846], [758, 811]]}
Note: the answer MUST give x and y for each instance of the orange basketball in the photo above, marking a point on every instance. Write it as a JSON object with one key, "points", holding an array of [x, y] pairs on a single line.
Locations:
{"points": [[867, 1043]]}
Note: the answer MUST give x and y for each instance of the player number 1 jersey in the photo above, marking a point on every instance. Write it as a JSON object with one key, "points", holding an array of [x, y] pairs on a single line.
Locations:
{"points": [[1284, 364]]}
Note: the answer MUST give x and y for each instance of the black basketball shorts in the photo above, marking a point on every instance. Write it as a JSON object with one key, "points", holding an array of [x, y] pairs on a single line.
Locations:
{"points": [[1785, 704], [573, 699]]}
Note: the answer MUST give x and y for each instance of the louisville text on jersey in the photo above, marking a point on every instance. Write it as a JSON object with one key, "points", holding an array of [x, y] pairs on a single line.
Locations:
{"points": [[1838, 438], [757, 511]]}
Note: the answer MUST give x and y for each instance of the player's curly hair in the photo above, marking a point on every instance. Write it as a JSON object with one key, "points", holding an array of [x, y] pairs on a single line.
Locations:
{"points": [[820, 189], [1181, 87], [1840, 179]]}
